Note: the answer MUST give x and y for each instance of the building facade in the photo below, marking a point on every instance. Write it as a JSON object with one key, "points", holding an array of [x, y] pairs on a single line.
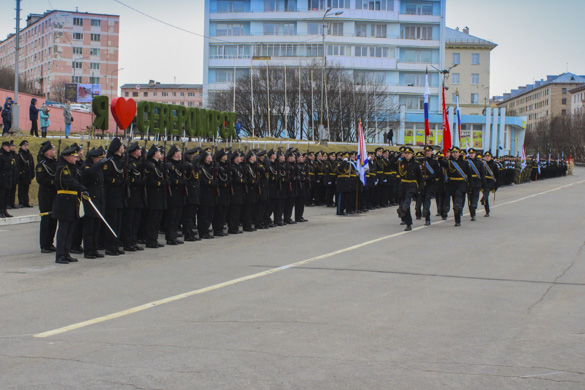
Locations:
{"points": [[470, 78], [542, 100], [60, 47], [578, 100], [188, 95], [395, 40]]}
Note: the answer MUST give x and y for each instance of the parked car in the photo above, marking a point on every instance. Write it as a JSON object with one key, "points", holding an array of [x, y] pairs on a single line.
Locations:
{"points": [[80, 107]]}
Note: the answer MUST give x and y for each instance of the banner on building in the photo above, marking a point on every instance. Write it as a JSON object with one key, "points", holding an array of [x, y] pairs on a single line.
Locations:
{"points": [[82, 93]]}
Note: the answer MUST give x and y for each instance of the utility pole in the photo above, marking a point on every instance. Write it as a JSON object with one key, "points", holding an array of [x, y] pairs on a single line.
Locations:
{"points": [[15, 106]]}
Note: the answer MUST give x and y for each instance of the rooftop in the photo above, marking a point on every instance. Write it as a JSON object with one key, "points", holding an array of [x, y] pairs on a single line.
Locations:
{"points": [[454, 37], [578, 89], [157, 85], [564, 78]]}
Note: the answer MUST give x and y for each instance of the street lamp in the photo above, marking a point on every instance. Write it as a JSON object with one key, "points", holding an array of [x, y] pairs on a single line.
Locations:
{"points": [[323, 66], [109, 76]]}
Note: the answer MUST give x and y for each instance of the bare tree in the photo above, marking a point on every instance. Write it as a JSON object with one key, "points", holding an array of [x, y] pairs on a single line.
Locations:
{"points": [[561, 135], [287, 101], [24, 85]]}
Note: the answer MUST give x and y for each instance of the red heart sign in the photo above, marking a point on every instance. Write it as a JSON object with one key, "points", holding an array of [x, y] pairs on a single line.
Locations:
{"points": [[123, 111]]}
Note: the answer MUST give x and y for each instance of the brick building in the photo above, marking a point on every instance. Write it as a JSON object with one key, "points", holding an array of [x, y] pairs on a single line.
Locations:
{"points": [[61, 47], [189, 95]]}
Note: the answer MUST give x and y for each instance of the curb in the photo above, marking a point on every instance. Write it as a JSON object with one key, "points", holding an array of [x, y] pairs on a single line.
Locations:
{"points": [[19, 220]]}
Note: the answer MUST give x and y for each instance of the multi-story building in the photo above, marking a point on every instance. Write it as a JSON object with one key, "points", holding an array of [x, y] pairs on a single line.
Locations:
{"points": [[61, 47], [394, 39], [471, 75], [189, 95], [578, 100], [543, 100]]}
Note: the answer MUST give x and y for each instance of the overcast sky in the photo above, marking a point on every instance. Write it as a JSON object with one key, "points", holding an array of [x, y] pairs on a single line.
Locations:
{"points": [[535, 37]]}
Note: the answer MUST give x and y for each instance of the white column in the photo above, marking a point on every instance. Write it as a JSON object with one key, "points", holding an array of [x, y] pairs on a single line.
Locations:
{"points": [[521, 134], [502, 129], [400, 135], [453, 124], [494, 132], [485, 144]]}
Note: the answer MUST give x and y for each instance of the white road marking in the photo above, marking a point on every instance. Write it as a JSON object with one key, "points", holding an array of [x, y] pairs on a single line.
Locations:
{"points": [[174, 298]]}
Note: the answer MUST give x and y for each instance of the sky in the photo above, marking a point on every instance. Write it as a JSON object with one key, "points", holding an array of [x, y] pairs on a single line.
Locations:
{"points": [[535, 38]]}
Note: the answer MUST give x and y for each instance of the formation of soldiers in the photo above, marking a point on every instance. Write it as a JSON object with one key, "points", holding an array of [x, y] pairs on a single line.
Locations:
{"points": [[120, 199]]}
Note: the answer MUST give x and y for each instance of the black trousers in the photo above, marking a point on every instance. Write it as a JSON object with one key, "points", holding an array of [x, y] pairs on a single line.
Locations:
{"points": [[131, 219], [234, 215], [428, 194], [319, 192], [172, 219], [152, 225], [204, 218], [4, 193], [219, 218], [64, 238], [407, 199], [47, 231], [23, 188], [188, 220], [114, 218], [278, 212], [457, 194], [290, 204], [261, 207], [7, 127], [473, 198], [91, 231], [268, 210], [248, 214], [12, 196], [34, 130], [329, 195], [78, 233], [299, 208]]}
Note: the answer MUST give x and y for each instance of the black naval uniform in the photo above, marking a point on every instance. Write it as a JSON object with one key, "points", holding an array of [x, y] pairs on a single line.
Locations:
{"points": [[192, 198], [476, 182], [303, 190], [411, 182], [115, 186], [175, 199], [207, 199], [263, 193], [237, 198], [330, 176], [491, 184], [157, 200], [250, 197], [7, 165], [66, 207], [292, 192], [92, 177], [132, 216], [223, 199], [45, 175], [26, 172], [432, 173], [280, 204], [458, 175], [344, 177], [273, 191]]}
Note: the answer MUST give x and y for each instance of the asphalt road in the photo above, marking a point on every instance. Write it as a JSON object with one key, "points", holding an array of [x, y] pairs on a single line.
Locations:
{"points": [[336, 303]]}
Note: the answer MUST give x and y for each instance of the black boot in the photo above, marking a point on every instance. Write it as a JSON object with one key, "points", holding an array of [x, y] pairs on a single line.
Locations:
{"points": [[6, 215]]}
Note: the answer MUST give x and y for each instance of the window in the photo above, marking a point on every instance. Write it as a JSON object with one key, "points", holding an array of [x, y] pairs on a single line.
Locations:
{"points": [[474, 98], [315, 5], [230, 6], [94, 52], [564, 91], [154, 93], [164, 94], [94, 80], [126, 94], [564, 112], [456, 58], [335, 29], [77, 50], [145, 94], [270, 29], [95, 37], [418, 9], [288, 29], [338, 3], [379, 30], [224, 76], [182, 94], [453, 98], [174, 94], [564, 101], [475, 78], [96, 23], [290, 5], [77, 22], [229, 29], [272, 6], [338, 50], [94, 65], [414, 79], [76, 79], [455, 78], [475, 59], [190, 93], [191, 104], [414, 103], [375, 5], [76, 65], [78, 36], [417, 32], [371, 51], [361, 30], [414, 56], [134, 94]]}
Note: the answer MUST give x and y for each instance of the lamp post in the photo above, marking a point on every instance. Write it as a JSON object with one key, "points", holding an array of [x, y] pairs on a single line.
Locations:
{"points": [[323, 66], [109, 77]]}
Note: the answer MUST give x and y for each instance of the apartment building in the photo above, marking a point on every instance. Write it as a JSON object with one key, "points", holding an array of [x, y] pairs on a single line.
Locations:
{"points": [[578, 100], [542, 100], [189, 95], [470, 78], [60, 47], [395, 40]]}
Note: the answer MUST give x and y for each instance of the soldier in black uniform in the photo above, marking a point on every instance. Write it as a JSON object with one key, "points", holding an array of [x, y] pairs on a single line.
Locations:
{"points": [[7, 165], [12, 195], [292, 188], [222, 175], [45, 175], [116, 194], [344, 178], [283, 183], [191, 169], [250, 193], [431, 171], [92, 177], [136, 184], [263, 191], [66, 206], [176, 195], [26, 172], [378, 197], [411, 181], [207, 196], [458, 174], [476, 181], [491, 172], [154, 171], [330, 176], [237, 192], [273, 188]]}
